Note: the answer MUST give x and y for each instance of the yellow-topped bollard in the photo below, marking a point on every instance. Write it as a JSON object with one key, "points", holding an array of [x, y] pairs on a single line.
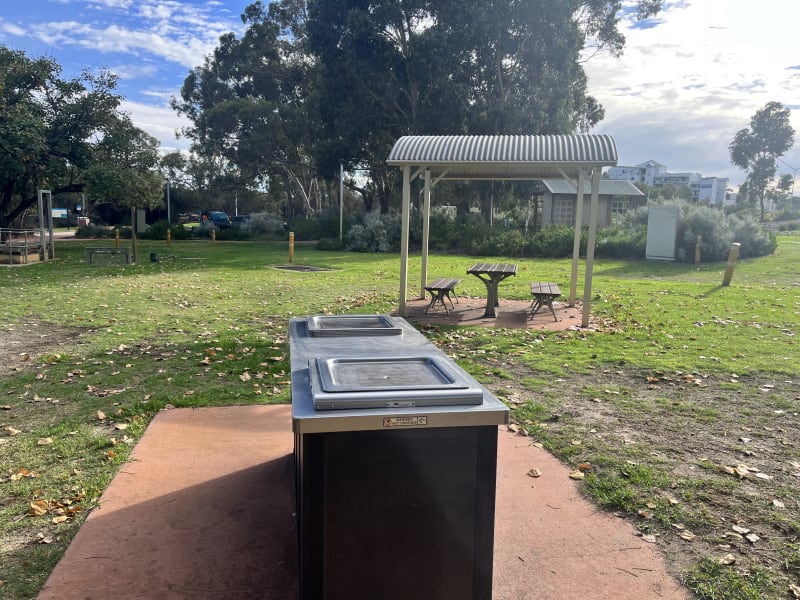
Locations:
{"points": [[214, 235], [291, 247], [169, 237]]}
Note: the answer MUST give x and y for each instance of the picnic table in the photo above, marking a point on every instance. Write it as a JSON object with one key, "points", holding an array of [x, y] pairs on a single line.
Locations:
{"points": [[543, 295], [492, 274]]}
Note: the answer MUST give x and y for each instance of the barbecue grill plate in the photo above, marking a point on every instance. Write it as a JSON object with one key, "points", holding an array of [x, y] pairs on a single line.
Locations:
{"points": [[351, 325], [394, 382]]}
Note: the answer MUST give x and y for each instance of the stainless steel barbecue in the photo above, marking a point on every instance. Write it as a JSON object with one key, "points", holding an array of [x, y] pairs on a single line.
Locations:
{"points": [[396, 454]]}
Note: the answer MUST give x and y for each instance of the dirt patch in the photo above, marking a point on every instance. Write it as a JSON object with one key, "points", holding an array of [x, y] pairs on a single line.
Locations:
{"points": [[302, 268], [22, 344]]}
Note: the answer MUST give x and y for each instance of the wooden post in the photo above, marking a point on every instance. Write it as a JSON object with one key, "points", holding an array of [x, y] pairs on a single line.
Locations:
{"points": [[733, 254], [291, 247], [116, 237], [214, 235], [133, 234], [169, 237], [697, 248]]}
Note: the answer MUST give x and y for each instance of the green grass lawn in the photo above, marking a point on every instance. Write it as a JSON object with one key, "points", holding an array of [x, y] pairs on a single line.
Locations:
{"points": [[659, 395]]}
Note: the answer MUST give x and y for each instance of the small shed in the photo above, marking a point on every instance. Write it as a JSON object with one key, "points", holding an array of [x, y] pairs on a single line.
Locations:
{"points": [[560, 199], [576, 158]]}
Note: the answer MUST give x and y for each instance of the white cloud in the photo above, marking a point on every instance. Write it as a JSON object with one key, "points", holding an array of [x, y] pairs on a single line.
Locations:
{"points": [[160, 121], [685, 86], [11, 29]]}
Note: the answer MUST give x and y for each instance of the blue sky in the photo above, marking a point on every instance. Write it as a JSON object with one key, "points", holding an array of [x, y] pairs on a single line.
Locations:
{"points": [[685, 84]]}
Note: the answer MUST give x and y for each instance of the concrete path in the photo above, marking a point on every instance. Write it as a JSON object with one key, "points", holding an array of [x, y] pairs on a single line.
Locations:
{"points": [[204, 511]]}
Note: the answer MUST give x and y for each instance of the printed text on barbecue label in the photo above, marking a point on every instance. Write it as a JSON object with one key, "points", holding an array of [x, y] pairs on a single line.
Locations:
{"points": [[404, 421]]}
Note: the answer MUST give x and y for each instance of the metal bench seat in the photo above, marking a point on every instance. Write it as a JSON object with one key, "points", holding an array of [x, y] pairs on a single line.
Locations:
{"points": [[439, 290]]}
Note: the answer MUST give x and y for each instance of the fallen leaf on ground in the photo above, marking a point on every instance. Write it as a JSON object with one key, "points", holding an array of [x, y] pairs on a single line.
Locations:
{"points": [[687, 535], [740, 529], [101, 416], [777, 503], [9, 430], [534, 473], [728, 559], [46, 441], [577, 475], [795, 589], [752, 538], [38, 508], [649, 538]]}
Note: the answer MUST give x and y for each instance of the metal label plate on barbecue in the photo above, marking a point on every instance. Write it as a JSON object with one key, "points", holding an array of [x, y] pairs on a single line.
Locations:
{"points": [[405, 421]]}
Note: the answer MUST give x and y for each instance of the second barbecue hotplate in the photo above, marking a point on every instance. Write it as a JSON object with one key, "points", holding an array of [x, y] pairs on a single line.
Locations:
{"points": [[393, 382], [351, 325]]}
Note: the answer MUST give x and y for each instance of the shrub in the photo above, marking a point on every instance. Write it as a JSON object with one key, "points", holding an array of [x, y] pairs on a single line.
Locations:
{"points": [[755, 240], [712, 225], [265, 224], [621, 242], [555, 241], [369, 236], [158, 231]]}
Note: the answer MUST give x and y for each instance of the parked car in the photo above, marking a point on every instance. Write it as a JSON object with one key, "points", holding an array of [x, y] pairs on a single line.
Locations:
{"points": [[217, 218], [240, 220]]}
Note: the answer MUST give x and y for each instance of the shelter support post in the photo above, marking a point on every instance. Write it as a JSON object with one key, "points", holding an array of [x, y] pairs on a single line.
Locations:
{"points": [[587, 282], [576, 244], [426, 229], [404, 238]]}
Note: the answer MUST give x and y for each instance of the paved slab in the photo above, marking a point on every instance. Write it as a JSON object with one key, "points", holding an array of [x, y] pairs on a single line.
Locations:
{"points": [[204, 511]]}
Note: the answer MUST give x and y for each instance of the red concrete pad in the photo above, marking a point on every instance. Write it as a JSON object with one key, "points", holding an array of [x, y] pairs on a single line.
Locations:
{"points": [[553, 544], [205, 511]]}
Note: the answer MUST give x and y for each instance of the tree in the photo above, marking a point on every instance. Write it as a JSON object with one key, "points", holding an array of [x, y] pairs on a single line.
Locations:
{"points": [[390, 68], [755, 149], [316, 84], [55, 133], [253, 105]]}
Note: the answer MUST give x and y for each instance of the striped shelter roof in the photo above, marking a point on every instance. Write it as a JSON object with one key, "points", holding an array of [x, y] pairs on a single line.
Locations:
{"points": [[608, 187], [503, 156]]}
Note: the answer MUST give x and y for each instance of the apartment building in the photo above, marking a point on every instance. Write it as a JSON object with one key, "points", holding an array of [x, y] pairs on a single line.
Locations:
{"points": [[656, 175]]}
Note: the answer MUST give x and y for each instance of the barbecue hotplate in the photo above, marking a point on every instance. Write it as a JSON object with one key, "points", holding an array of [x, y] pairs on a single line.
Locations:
{"points": [[389, 382], [351, 325]]}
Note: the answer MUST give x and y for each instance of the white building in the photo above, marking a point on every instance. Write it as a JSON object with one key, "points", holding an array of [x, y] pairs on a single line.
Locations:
{"points": [[656, 175], [712, 189], [645, 172]]}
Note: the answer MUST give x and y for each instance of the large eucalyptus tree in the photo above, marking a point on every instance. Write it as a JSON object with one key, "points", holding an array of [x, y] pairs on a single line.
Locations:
{"points": [[316, 84], [755, 149]]}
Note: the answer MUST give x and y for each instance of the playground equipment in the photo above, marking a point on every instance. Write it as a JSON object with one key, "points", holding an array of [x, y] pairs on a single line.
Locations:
{"points": [[24, 246]]}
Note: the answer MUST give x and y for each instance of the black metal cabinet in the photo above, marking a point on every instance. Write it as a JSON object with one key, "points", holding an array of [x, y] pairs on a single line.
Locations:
{"points": [[397, 514]]}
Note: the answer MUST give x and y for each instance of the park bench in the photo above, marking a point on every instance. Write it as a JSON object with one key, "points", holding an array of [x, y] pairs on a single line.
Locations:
{"points": [[154, 257], [112, 252], [543, 295], [439, 290]]}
